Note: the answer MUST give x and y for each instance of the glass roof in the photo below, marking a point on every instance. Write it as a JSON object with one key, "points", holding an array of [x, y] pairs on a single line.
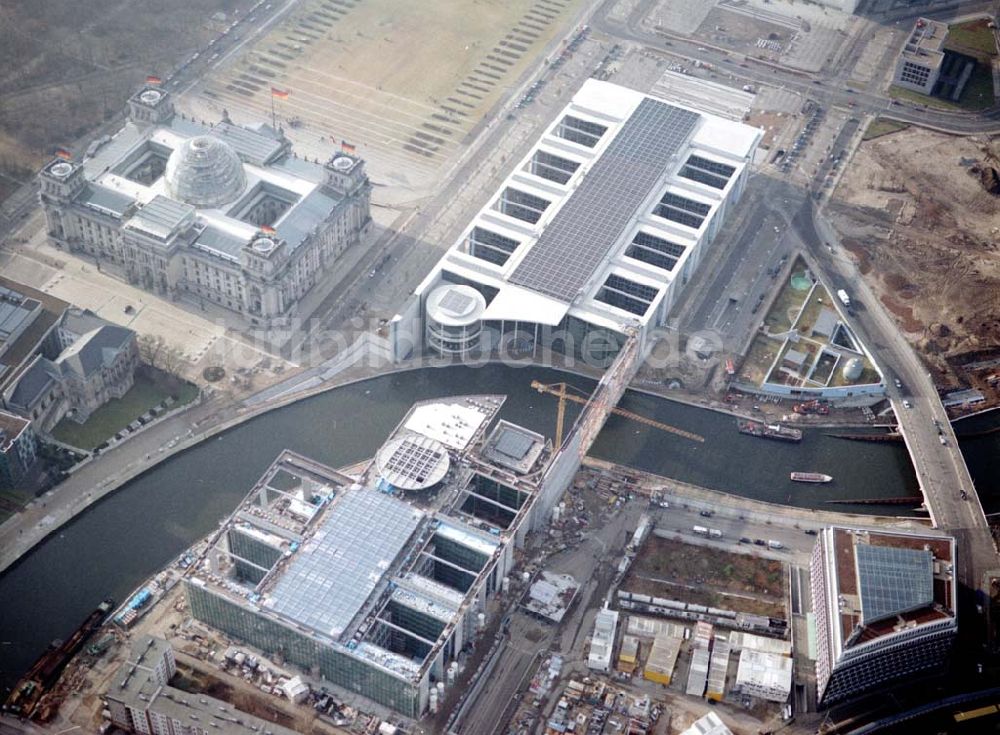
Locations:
{"points": [[332, 576], [206, 172], [893, 580]]}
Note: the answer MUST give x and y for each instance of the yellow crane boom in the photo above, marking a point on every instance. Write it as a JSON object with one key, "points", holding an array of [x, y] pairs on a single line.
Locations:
{"points": [[560, 391]]}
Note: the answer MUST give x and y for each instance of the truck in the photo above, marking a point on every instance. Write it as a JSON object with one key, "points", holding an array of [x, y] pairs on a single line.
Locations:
{"points": [[772, 544], [700, 530], [715, 533], [844, 298]]}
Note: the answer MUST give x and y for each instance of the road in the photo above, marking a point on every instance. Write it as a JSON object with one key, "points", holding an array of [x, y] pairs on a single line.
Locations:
{"points": [[509, 676], [944, 478], [828, 87], [739, 266], [680, 521]]}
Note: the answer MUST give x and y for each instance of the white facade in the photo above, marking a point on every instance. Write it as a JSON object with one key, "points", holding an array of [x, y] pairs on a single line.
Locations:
{"points": [[764, 675], [602, 644], [454, 319], [919, 64], [626, 278]]}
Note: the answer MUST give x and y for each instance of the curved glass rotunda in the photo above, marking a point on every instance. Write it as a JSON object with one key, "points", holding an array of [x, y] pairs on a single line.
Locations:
{"points": [[205, 172]]}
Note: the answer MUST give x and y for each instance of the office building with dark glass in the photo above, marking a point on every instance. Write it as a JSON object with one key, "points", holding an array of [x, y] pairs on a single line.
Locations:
{"points": [[885, 606]]}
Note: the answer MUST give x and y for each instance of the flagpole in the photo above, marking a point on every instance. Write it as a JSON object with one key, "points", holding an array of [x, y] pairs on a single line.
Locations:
{"points": [[274, 120]]}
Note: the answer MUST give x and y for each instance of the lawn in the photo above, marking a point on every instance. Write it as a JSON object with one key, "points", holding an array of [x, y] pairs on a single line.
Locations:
{"points": [[881, 126], [151, 388], [975, 37], [786, 306], [818, 301], [977, 95]]}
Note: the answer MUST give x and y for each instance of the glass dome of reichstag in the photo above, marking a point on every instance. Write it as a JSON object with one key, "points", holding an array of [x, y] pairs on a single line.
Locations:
{"points": [[205, 172]]}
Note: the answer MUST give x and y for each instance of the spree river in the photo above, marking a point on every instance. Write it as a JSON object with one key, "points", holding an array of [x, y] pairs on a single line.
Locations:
{"points": [[118, 542]]}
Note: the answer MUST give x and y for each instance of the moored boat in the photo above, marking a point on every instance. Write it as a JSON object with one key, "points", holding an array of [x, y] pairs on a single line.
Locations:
{"points": [[768, 431]]}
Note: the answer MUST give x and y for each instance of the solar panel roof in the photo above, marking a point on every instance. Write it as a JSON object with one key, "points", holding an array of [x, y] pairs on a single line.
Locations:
{"points": [[587, 226], [332, 575], [416, 460], [893, 580]]}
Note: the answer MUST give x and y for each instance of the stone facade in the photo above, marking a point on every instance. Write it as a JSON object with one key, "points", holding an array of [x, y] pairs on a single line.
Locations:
{"points": [[18, 449], [95, 368], [213, 213]]}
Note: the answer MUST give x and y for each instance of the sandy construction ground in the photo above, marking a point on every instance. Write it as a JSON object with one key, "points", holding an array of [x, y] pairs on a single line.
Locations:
{"points": [[925, 234], [404, 82]]}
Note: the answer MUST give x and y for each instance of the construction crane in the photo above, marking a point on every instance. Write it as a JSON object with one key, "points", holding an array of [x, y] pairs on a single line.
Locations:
{"points": [[561, 391]]}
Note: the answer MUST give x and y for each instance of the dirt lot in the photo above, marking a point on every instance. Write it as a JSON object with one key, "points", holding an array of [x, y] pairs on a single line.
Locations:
{"points": [[915, 215], [707, 576], [67, 66]]}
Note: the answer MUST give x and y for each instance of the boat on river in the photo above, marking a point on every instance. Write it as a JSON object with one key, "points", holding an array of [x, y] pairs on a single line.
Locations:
{"points": [[768, 431], [817, 477]]}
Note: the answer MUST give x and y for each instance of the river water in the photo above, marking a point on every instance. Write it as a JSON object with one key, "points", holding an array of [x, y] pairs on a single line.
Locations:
{"points": [[112, 547]]}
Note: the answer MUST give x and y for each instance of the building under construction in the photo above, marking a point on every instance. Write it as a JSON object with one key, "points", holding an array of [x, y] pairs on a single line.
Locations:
{"points": [[376, 581]]}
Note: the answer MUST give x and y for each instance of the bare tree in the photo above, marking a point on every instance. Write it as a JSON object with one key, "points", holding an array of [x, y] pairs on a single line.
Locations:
{"points": [[154, 351], [150, 349]]}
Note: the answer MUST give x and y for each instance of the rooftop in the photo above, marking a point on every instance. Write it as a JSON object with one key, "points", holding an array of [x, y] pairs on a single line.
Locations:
{"points": [[161, 217], [340, 555], [452, 423], [137, 687], [551, 595], [95, 349], [22, 344], [338, 567], [710, 724], [768, 671], [926, 42], [513, 447], [601, 215], [886, 582], [584, 230], [16, 314], [212, 175], [205, 171], [413, 462]]}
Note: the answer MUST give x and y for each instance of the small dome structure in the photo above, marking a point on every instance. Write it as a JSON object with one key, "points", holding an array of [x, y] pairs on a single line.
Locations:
{"points": [[853, 368], [413, 462], [205, 172]]}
